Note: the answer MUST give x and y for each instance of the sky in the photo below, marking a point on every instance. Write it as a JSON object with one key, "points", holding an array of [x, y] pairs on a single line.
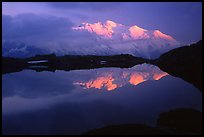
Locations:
{"points": [[42, 21]]}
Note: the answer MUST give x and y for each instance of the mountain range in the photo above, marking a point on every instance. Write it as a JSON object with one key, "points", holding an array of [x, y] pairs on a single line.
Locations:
{"points": [[134, 40], [109, 38]]}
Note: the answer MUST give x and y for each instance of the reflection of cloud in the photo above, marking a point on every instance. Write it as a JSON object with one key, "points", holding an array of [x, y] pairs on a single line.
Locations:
{"points": [[111, 80]]}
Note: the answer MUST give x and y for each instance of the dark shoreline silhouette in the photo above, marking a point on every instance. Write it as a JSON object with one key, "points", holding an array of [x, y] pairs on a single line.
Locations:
{"points": [[70, 62], [175, 122], [184, 62]]}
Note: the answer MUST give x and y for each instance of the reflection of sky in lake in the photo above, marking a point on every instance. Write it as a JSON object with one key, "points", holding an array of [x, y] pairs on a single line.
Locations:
{"points": [[52, 103]]}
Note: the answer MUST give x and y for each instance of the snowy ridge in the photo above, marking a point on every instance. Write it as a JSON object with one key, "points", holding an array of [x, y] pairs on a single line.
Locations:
{"points": [[131, 40]]}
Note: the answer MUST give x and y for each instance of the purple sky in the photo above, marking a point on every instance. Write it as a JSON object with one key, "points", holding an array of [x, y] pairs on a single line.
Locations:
{"points": [[181, 20]]}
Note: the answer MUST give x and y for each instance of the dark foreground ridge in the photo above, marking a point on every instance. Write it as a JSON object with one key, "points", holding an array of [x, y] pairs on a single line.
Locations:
{"points": [[184, 62], [175, 122], [69, 62]]}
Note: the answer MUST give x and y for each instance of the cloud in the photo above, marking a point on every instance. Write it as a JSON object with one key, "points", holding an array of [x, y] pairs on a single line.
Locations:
{"points": [[47, 32], [28, 25], [97, 6]]}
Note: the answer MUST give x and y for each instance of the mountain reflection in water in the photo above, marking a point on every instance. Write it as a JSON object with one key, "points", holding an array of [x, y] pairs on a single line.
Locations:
{"points": [[55, 103], [111, 80]]}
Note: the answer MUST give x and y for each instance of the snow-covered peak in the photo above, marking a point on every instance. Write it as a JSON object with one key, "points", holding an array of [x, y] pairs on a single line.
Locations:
{"points": [[117, 38], [111, 23], [159, 34], [107, 29], [137, 28], [101, 29], [137, 33]]}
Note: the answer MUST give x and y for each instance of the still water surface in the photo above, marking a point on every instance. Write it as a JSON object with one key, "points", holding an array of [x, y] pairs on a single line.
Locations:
{"points": [[73, 102]]}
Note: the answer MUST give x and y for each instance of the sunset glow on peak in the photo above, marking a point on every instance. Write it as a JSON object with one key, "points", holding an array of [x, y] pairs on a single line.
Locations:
{"points": [[134, 32], [99, 28], [135, 27], [137, 32], [118, 38], [111, 23], [159, 34]]}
